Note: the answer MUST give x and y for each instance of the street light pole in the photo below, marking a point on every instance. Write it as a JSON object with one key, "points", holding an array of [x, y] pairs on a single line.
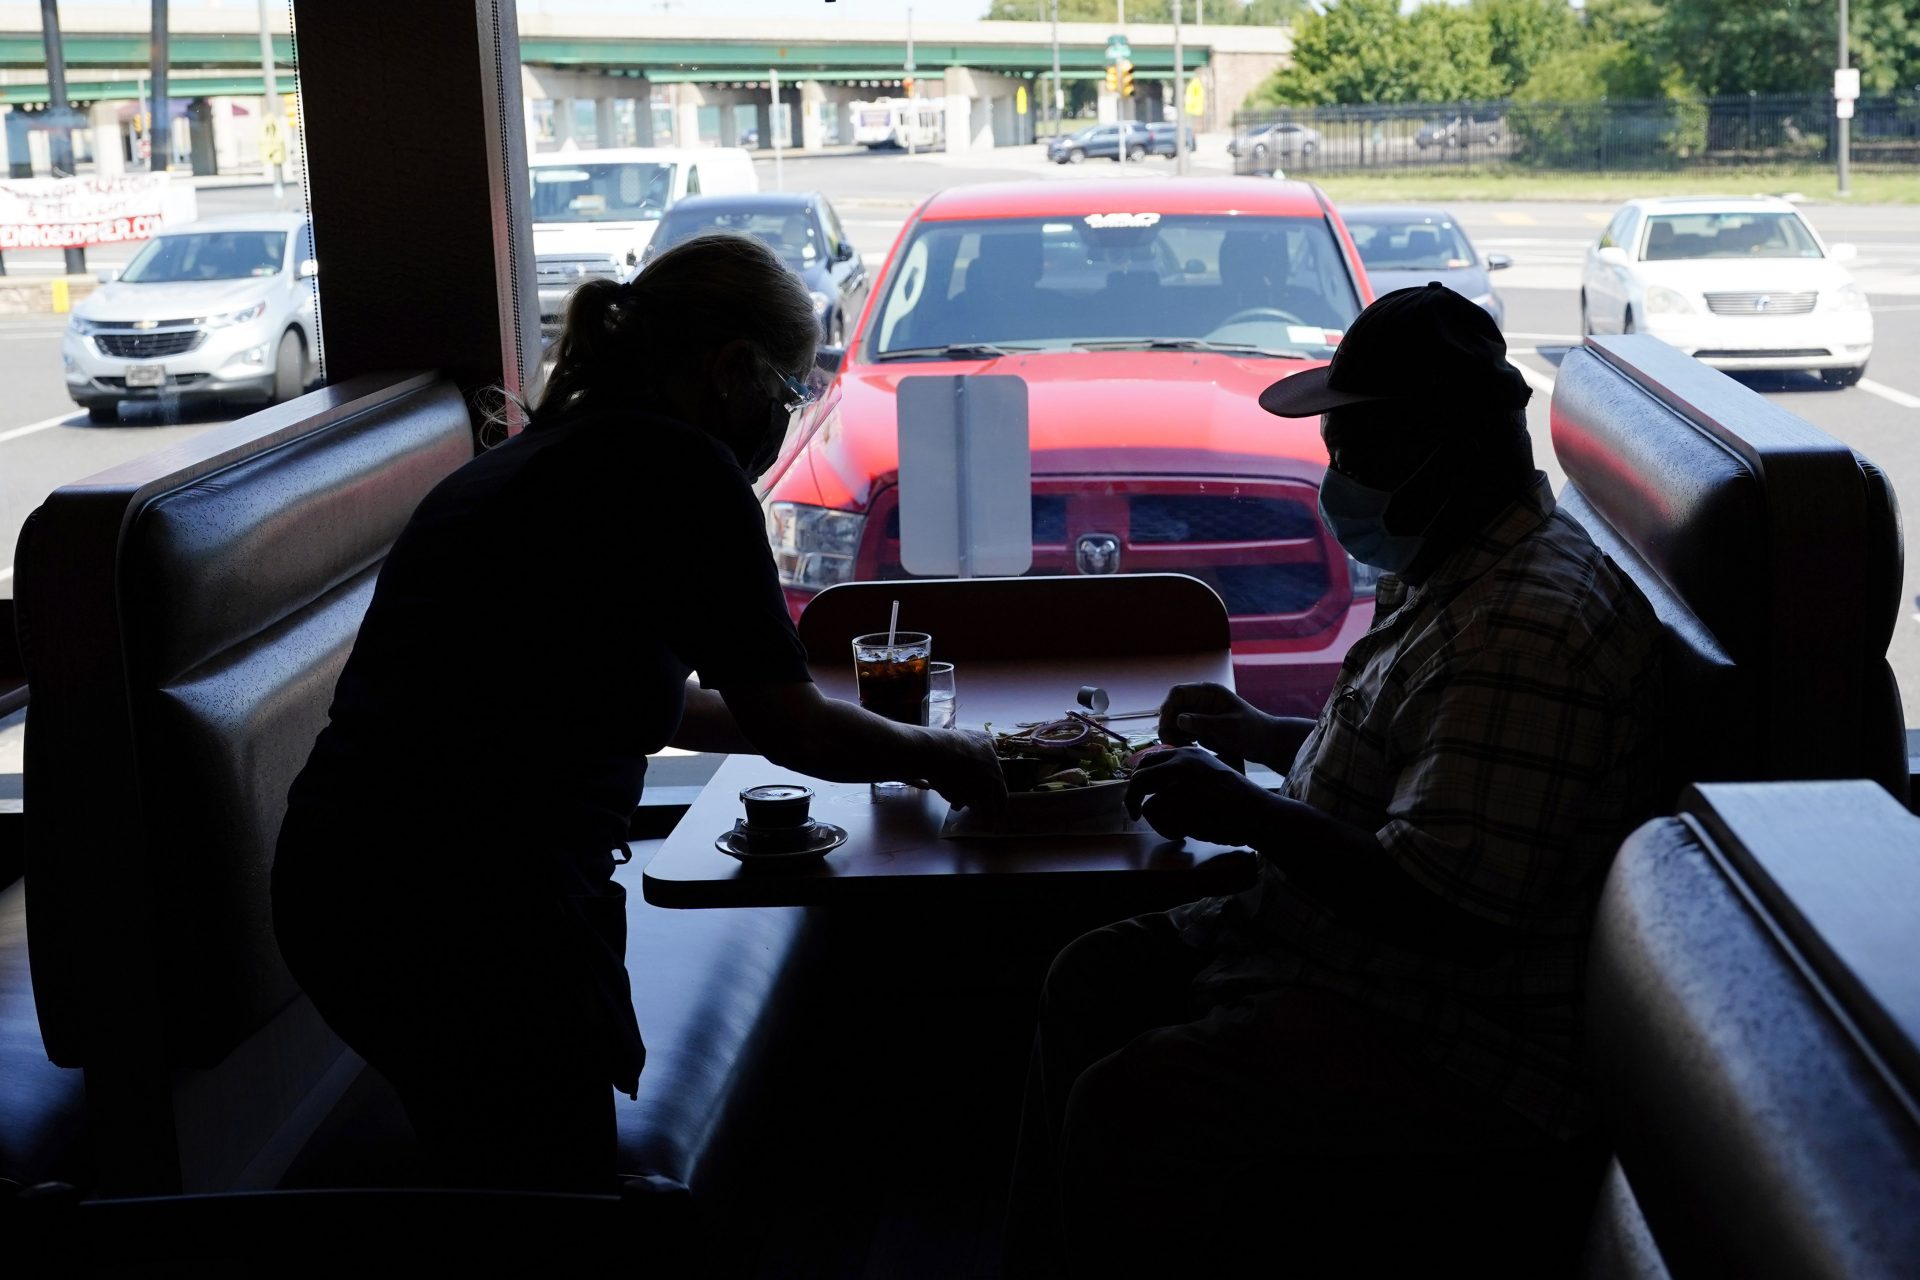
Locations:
{"points": [[1179, 97], [1059, 98], [271, 108], [1843, 127], [61, 136]]}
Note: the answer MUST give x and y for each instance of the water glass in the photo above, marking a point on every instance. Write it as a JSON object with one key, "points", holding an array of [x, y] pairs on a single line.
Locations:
{"points": [[943, 707]]}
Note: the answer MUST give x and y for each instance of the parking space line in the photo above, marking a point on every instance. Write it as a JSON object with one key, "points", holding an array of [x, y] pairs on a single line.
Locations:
{"points": [[6, 573], [1515, 218], [1538, 381], [1886, 392], [32, 427]]}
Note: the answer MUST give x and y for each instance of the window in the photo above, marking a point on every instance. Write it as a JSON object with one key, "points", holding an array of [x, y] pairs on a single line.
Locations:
{"points": [[1617, 233], [693, 179], [790, 232], [601, 191], [1728, 235], [1422, 244]]}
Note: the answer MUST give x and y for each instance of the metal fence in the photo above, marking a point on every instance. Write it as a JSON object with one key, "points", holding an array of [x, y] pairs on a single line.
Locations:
{"points": [[1745, 131]]}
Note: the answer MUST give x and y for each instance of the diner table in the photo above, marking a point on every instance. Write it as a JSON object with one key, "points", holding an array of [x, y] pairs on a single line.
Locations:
{"points": [[896, 853]]}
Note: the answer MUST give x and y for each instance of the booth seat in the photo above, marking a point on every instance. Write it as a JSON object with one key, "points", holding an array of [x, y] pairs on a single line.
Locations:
{"points": [[1754, 1022], [184, 619]]}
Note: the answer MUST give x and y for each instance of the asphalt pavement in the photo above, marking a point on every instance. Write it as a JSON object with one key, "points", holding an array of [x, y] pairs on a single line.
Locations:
{"points": [[44, 442]]}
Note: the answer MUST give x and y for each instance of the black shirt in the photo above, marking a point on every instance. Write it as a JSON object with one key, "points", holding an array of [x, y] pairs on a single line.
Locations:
{"points": [[526, 649]]}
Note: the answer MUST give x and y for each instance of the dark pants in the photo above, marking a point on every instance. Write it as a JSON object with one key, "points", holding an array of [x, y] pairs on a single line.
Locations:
{"points": [[1164, 1136], [464, 997]]}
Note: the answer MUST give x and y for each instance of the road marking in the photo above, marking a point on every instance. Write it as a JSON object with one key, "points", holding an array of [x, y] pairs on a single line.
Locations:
{"points": [[34, 335], [1597, 218], [1515, 218], [6, 573], [1886, 392], [32, 427]]}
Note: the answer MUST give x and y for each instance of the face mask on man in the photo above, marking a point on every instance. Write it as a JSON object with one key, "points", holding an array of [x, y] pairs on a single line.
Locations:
{"points": [[1357, 515]]}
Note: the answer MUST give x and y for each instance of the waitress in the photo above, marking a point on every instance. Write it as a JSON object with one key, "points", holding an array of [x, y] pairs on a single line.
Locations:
{"points": [[443, 889]]}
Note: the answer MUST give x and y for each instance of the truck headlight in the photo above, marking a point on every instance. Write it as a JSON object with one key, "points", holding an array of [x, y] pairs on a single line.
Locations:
{"points": [[813, 547], [1664, 301], [241, 316], [1847, 297], [820, 301]]}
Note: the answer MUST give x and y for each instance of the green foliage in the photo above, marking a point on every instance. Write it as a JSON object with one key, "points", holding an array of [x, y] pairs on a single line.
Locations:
{"points": [[1521, 34], [1225, 13], [1788, 46]]}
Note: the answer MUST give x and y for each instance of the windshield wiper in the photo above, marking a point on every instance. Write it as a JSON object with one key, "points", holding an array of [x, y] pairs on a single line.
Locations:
{"points": [[1191, 344], [954, 351]]}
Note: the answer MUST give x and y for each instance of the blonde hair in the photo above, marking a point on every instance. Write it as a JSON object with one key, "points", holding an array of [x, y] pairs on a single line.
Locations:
{"points": [[689, 302]]}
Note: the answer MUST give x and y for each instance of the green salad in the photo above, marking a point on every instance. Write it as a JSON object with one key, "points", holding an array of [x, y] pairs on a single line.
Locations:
{"points": [[1062, 755]]}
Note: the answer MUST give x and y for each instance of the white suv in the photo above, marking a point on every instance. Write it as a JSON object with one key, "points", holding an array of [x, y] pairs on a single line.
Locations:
{"points": [[220, 309], [1736, 283]]}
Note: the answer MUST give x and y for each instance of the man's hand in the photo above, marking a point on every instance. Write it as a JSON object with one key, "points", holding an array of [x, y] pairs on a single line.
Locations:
{"points": [[1187, 792], [963, 768], [1217, 718]]}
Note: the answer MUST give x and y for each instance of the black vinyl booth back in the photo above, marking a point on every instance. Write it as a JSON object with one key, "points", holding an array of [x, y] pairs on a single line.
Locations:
{"points": [[1771, 551], [184, 619]]}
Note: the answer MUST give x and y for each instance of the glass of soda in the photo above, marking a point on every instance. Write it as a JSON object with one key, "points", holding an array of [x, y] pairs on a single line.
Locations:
{"points": [[893, 681]]}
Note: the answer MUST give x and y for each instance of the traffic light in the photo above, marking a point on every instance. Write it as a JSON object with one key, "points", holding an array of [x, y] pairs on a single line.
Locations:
{"points": [[907, 87], [1113, 78], [1126, 79]]}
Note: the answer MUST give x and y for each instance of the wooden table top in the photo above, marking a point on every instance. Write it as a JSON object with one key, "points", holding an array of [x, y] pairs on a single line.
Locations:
{"points": [[894, 850]]}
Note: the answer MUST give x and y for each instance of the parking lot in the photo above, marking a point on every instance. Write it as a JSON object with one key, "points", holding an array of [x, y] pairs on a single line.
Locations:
{"points": [[45, 441]]}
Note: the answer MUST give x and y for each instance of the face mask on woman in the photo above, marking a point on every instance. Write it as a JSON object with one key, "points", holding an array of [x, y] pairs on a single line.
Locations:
{"points": [[1357, 515], [783, 410]]}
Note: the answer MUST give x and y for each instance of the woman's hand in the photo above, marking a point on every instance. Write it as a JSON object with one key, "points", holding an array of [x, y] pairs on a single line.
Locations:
{"points": [[962, 767], [1187, 792]]}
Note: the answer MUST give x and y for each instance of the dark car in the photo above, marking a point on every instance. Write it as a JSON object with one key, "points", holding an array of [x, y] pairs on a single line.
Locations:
{"points": [[1102, 142], [801, 227], [1402, 246], [1462, 131]]}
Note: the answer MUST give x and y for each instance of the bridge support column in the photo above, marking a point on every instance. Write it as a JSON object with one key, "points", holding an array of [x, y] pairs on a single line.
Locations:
{"points": [[606, 123], [813, 108], [109, 147], [563, 122]]}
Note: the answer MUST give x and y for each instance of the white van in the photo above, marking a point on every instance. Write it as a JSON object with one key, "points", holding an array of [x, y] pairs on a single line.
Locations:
{"points": [[594, 211]]}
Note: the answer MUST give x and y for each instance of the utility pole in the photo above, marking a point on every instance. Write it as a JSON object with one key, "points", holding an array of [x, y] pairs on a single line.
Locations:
{"points": [[161, 129], [1843, 125], [62, 135], [913, 110], [1059, 97], [773, 129], [1179, 97], [272, 144]]}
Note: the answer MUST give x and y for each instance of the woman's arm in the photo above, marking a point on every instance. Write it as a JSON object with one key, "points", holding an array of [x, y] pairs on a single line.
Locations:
{"points": [[707, 725], [799, 728]]}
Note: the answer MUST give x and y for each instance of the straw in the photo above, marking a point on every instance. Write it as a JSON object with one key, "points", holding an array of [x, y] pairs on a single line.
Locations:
{"points": [[893, 626]]}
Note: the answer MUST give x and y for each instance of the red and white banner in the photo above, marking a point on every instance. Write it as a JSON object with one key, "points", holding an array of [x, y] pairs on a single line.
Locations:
{"points": [[73, 213]]}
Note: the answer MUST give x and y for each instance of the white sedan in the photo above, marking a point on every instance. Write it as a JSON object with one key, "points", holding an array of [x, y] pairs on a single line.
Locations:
{"points": [[1735, 283]]}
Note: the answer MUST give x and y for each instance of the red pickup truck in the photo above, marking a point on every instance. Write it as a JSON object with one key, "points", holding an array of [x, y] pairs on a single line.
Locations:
{"points": [[1145, 317]]}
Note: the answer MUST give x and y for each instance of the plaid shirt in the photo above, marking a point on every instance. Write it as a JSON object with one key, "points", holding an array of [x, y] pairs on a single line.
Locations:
{"points": [[1495, 729]]}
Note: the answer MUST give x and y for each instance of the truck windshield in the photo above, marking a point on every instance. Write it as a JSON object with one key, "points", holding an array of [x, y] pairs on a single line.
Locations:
{"points": [[601, 192], [211, 255], [1268, 283]]}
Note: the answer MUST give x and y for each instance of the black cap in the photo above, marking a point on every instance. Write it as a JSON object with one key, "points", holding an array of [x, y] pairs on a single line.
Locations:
{"points": [[1411, 344]]}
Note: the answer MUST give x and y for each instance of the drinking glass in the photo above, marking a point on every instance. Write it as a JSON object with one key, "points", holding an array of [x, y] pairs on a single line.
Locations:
{"points": [[943, 705], [892, 680]]}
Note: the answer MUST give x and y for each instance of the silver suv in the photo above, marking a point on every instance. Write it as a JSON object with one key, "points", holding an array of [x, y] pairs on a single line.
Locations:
{"points": [[220, 309]]}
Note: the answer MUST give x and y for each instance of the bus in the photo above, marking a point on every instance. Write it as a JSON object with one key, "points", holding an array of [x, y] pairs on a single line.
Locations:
{"points": [[900, 123]]}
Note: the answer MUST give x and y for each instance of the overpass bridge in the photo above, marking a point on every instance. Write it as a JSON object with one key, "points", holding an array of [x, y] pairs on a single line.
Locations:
{"points": [[599, 79]]}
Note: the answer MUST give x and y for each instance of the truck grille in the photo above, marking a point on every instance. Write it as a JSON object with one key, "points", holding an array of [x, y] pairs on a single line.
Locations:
{"points": [[147, 346], [1757, 303], [1266, 555]]}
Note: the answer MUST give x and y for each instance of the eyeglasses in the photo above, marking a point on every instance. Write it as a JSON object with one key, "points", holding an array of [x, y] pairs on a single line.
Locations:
{"points": [[799, 394]]}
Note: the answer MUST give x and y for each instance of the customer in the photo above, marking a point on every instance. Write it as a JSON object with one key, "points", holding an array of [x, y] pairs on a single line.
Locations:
{"points": [[1213, 1087], [443, 888]]}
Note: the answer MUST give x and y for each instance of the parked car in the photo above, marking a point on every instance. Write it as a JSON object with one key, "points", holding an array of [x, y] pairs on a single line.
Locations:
{"points": [[1468, 130], [1144, 317], [595, 211], [216, 310], [1164, 139], [1739, 283], [1261, 150], [801, 227], [1404, 246], [1102, 142]]}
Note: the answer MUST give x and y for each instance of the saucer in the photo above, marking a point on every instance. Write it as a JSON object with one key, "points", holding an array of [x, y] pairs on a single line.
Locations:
{"points": [[821, 838]]}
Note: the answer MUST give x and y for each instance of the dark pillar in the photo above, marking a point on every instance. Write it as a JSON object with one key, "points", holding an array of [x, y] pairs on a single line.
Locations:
{"points": [[57, 104], [371, 170], [200, 129], [160, 135]]}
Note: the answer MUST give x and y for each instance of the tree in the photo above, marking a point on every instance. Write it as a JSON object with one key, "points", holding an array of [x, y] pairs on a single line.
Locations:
{"points": [[1226, 13], [1452, 56], [1787, 46], [1523, 33], [1353, 51]]}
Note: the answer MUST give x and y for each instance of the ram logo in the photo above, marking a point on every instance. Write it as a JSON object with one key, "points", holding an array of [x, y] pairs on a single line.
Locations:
{"points": [[1097, 553]]}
